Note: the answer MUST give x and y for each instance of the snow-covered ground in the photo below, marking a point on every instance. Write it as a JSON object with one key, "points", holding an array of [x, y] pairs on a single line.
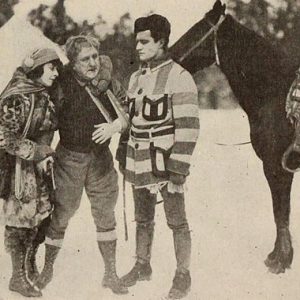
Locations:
{"points": [[230, 213]]}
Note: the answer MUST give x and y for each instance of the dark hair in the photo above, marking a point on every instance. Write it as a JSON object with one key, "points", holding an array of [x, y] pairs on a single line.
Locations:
{"points": [[38, 71], [158, 25]]}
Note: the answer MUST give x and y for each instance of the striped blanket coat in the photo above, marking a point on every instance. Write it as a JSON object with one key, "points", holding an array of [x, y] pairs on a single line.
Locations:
{"points": [[163, 107]]}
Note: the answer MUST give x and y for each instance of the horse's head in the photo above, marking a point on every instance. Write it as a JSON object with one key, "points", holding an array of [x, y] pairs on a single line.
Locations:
{"points": [[200, 52]]}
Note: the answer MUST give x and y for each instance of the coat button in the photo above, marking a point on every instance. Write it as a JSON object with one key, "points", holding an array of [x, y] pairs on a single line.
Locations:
{"points": [[136, 113], [136, 146], [140, 91]]}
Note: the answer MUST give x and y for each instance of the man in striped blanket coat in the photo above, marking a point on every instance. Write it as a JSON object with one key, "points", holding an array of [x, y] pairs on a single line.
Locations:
{"points": [[163, 108]]}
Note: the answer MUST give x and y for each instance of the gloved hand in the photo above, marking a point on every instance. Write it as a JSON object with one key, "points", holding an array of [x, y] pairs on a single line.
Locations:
{"points": [[176, 178], [121, 157], [122, 151], [122, 168], [42, 151]]}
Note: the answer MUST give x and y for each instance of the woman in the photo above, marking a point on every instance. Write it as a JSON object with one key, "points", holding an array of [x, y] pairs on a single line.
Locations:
{"points": [[27, 124]]}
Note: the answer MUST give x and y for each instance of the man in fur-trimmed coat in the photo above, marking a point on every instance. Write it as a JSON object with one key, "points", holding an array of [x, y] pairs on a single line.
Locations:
{"points": [[163, 108]]}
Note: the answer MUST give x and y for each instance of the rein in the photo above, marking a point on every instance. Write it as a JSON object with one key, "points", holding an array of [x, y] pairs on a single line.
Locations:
{"points": [[214, 30], [237, 144]]}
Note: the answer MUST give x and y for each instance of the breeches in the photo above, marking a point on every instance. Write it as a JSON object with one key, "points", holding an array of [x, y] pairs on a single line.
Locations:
{"points": [[75, 171], [174, 207]]}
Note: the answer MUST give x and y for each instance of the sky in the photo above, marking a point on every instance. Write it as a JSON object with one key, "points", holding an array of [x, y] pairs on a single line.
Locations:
{"points": [[181, 14]]}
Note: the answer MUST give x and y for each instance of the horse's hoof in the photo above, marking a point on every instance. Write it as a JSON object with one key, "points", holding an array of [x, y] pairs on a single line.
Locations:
{"points": [[276, 268], [271, 259], [277, 263], [269, 262]]}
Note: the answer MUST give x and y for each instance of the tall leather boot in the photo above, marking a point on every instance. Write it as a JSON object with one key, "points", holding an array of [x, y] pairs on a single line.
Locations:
{"points": [[18, 282], [142, 269], [182, 279], [110, 279], [30, 262], [47, 273]]}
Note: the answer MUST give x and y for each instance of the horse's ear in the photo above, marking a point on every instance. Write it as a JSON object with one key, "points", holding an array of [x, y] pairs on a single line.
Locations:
{"points": [[219, 8], [217, 5], [223, 9]]}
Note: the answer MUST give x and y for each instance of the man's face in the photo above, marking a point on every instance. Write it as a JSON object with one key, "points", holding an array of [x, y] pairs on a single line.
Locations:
{"points": [[146, 47], [87, 63]]}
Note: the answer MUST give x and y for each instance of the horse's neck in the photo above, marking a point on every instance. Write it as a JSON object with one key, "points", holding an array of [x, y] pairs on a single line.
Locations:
{"points": [[253, 79], [243, 94]]}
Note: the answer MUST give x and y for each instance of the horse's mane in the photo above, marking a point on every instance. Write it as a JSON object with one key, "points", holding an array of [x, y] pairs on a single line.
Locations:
{"points": [[261, 49], [187, 40], [253, 65]]}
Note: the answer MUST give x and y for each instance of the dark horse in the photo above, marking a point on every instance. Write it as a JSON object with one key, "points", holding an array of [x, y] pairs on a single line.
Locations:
{"points": [[260, 76]]}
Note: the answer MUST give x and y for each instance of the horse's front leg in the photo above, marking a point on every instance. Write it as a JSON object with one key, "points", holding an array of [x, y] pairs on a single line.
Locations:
{"points": [[280, 183]]}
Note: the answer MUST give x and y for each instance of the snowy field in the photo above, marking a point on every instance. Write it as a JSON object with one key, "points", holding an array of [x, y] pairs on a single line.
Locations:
{"points": [[230, 213]]}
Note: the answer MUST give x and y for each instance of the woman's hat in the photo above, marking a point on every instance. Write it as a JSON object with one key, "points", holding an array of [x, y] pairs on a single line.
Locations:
{"points": [[37, 58]]}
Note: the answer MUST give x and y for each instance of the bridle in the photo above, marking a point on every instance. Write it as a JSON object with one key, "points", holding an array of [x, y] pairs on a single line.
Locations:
{"points": [[213, 30]]}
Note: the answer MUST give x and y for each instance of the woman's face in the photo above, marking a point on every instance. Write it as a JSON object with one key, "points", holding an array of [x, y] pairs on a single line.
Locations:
{"points": [[49, 74]]}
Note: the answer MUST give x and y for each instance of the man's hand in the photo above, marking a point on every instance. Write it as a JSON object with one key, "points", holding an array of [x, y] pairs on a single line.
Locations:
{"points": [[177, 179], [43, 165], [105, 131]]}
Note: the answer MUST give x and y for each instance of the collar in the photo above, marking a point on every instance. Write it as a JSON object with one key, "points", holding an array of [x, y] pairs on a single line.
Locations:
{"points": [[79, 80], [157, 63], [81, 83]]}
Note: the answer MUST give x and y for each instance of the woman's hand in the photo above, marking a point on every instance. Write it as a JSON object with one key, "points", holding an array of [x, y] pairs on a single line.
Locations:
{"points": [[43, 165]]}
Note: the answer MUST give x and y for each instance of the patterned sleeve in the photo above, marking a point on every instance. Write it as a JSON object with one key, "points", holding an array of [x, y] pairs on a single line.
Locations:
{"points": [[186, 119], [12, 120]]}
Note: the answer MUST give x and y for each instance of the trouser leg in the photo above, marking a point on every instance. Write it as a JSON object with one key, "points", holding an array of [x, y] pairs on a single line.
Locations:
{"points": [[144, 203], [177, 221], [70, 173], [102, 191], [176, 218]]}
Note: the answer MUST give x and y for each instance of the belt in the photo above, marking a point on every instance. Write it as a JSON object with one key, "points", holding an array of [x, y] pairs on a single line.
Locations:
{"points": [[149, 134]]}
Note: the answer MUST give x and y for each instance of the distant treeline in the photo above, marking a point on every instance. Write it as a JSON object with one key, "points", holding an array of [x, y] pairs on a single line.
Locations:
{"points": [[279, 25]]}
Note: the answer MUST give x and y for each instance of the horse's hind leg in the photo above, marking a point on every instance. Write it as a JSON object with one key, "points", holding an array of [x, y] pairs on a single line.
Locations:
{"points": [[280, 183]]}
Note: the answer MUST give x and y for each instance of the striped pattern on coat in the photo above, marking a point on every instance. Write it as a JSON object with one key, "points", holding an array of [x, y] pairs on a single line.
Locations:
{"points": [[163, 104]]}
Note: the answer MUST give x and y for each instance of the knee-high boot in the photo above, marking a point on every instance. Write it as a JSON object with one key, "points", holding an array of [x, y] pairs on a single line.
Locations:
{"points": [[30, 263], [182, 279], [18, 282], [38, 239], [47, 273], [110, 279], [142, 269]]}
